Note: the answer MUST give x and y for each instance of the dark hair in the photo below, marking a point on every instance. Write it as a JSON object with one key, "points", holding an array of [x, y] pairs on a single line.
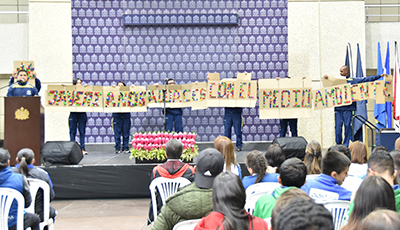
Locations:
{"points": [[284, 199], [301, 214], [312, 158], [75, 81], [334, 161], [4, 157], [381, 219], [257, 162], [358, 152], [229, 197], [122, 83], [395, 154], [22, 70], [379, 148], [341, 148], [25, 157], [380, 161], [226, 147], [173, 149], [274, 155], [374, 192], [293, 172]]}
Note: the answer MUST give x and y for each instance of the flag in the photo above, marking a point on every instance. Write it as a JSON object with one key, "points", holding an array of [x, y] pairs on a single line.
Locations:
{"points": [[361, 105], [380, 109], [388, 104], [349, 61], [396, 89]]}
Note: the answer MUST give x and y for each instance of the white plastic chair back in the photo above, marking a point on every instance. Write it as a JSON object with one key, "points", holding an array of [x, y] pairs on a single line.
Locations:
{"points": [[35, 185], [7, 196], [352, 183], [166, 188], [255, 191], [186, 225], [311, 176], [338, 209]]}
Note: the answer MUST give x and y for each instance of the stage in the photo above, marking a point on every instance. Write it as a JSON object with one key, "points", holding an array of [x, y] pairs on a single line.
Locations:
{"points": [[104, 174]]}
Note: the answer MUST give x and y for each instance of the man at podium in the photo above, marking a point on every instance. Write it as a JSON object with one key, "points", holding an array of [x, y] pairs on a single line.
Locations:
{"points": [[22, 88]]}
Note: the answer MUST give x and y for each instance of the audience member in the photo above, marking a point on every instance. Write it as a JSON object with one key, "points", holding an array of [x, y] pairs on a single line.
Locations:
{"points": [[342, 149], [195, 200], [172, 168], [226, 147], [358, 166], [379, 148], [292, 174], [26, 159], [257, 167], [275, 156], [397, 144], [312, 158], [375, 192], [381, 219], [229, 197], [326, 186], [300, 214], [396, 159], [16, 181], [284, 200]]}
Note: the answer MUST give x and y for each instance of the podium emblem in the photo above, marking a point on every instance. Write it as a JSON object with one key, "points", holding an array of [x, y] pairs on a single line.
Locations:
{"points": [[22, 114]]}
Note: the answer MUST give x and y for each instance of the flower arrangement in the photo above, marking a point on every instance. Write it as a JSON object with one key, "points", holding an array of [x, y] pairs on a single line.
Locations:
{"points": [[151, 145]]}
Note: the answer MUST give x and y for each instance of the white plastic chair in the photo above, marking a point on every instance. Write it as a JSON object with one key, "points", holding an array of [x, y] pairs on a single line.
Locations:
{"points": [[338, 209], [352, 183], [186, 225], [311, 176], [166, 187], [254, 191], [35, 185], [7, 196]]}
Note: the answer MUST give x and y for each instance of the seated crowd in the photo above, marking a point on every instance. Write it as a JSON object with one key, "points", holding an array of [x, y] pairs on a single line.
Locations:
{"points": [[217, 197], [16, 178]]}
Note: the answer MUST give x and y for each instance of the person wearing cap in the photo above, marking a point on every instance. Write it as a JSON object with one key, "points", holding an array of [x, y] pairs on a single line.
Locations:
{"points": [[26, 159], [195, 200], [16, 181]]}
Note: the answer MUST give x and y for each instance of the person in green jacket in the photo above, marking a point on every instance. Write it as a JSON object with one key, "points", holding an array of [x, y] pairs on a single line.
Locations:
{"points": [[195, 200], [380, 163], [293, 173]]}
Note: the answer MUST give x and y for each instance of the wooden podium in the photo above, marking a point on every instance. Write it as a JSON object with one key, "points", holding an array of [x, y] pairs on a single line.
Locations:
{"points": [[23, 126]]}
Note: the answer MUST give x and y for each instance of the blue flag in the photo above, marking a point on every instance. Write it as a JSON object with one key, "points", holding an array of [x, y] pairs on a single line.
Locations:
{"points": [[388, 104], [361, 105], [380, 109]]}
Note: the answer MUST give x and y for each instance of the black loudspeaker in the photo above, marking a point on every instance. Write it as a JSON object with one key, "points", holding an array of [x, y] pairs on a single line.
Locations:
{"points": [[292, 146], [61, 153]]}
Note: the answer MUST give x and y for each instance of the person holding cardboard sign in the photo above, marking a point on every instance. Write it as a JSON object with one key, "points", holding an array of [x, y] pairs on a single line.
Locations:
{"points": [[343, 114], [173, 116], [78, 120], [121, 127], [38, 84], [22, 88]]}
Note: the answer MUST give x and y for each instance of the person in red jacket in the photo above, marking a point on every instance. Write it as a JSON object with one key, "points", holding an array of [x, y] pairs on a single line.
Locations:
{"points": [[229, 198]]}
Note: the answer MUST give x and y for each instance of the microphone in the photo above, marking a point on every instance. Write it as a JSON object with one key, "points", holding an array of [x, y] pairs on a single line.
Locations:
{"points": [[166, 81], [20, 81]]}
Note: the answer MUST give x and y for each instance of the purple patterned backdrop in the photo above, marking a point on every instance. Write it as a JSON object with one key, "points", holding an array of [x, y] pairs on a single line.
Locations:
{"points": [[105, 52]]}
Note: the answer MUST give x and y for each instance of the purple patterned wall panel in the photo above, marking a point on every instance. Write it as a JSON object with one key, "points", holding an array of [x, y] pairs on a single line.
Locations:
{"points": [[105, 52]]}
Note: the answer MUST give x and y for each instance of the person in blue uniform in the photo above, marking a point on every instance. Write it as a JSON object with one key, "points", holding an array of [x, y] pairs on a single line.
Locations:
{"points": [[121, 127], [38, 84], [22, 88], [233, 117], [344, 113], [77, 120], [173, 117]]}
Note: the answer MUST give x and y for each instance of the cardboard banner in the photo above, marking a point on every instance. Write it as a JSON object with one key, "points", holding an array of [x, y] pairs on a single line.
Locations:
{"points": [[284, 98]]}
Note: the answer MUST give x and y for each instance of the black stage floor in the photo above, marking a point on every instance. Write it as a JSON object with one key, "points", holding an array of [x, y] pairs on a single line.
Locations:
{"points": [[104, 174]]}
